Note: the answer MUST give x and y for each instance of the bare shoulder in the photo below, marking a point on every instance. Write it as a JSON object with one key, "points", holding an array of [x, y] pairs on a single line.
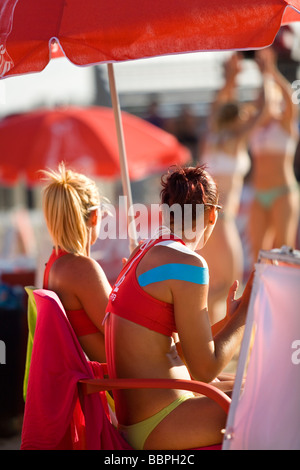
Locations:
{"points": [[179, 254], [89, 267], [79, 269]]}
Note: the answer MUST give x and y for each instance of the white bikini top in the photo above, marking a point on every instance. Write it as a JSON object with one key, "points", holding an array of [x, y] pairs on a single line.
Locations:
{"points": [[219, 162], [272, 139], [183, 248]]}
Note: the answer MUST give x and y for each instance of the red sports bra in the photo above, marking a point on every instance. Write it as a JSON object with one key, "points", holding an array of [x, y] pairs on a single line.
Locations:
{"points": [[128, 300], [80, 322]]}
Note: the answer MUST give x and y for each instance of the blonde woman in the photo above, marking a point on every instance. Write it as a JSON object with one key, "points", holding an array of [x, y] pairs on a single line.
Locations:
{"points": [[71, 204]]}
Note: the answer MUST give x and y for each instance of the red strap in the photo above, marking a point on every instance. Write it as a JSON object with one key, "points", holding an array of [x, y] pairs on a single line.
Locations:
{"points": [[54, 256], [141, 253]]}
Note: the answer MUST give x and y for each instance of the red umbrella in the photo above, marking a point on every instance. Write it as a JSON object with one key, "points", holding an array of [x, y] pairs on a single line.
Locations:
{"points": [[85, 138], [107, 31]]}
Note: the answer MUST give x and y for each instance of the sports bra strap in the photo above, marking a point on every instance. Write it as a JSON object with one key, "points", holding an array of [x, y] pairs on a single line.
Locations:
{"points": [[54, 256]]}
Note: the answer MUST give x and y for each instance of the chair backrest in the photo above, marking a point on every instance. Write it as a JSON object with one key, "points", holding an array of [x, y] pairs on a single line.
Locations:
{"points": [[55, 416], [31, 321]]}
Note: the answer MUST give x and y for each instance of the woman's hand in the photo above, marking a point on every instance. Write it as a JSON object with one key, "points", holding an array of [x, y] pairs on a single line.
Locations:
{"points": [[231, 302], [232, 67], [266, 60]]}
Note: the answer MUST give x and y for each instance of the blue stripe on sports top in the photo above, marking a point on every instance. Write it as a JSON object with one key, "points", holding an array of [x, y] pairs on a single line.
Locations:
{"points": [[180, 272]]}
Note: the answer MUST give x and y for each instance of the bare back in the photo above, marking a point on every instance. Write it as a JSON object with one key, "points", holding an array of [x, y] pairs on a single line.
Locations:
{"points": [[81, 284]]}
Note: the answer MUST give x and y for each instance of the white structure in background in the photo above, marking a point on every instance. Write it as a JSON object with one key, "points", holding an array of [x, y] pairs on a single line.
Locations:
{"points": [[190, 79], [186, 78], [59, 83]]}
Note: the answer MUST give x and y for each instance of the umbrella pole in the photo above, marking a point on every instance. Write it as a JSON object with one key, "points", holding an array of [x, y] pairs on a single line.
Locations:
{"points": [[123, 159]]}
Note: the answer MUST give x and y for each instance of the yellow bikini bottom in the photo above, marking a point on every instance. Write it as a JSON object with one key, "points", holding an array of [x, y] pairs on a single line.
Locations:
{"points": [[136, 434]]}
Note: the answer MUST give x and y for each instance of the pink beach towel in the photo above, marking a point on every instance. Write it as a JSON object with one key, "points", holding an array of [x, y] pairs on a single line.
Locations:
{"points": [[54, 418]]}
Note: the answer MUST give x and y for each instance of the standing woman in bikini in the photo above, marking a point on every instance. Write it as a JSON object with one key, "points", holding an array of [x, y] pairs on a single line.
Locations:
{"points": [[161, 292], [71, 205], [226, 156], [274, 215]]}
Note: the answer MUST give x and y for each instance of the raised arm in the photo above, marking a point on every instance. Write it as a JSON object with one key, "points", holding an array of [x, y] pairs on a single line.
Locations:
{"points": [[228, 92], [266, 59]]}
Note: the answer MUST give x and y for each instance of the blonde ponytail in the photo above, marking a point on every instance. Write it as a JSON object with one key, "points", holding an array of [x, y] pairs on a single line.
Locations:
{"points": [[66, 201]]}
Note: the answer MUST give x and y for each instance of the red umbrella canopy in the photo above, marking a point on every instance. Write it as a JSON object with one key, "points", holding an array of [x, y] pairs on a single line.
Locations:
{"points": [[116, 30], [85, 138]]}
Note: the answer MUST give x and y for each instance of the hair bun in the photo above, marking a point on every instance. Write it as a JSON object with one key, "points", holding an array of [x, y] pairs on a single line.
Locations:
{"points": [[188, 185]]}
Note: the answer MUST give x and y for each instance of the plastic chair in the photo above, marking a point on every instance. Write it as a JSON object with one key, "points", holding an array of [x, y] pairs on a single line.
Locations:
{"points": [[88, 387], [55, 417], [66, 405]]}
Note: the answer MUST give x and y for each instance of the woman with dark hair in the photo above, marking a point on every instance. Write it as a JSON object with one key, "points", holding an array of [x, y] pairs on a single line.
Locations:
{"points": [[160, 295]]}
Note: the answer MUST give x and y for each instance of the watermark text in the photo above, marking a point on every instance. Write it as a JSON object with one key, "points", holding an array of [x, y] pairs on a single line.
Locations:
{"points": [[2, 352], [296, 93], [296, 354], [144, 220]]}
